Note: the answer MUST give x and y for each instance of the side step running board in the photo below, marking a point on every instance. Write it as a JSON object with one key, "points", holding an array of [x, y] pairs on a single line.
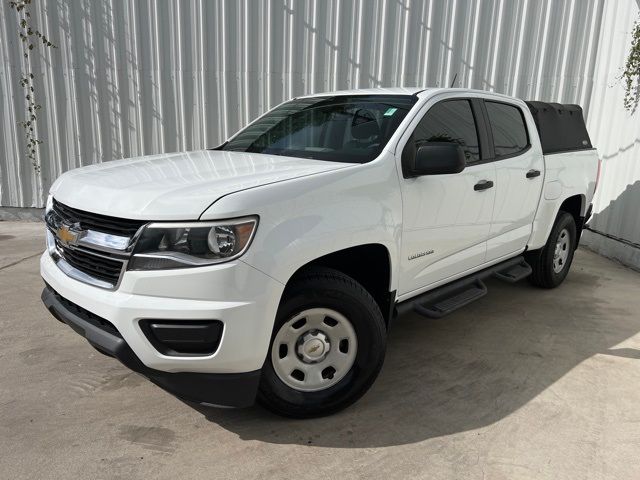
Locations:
{"points": [[438, 308], [515, 273], [449, 298]]}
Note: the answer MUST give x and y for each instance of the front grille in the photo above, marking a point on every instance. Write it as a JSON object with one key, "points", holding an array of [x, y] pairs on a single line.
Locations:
{"points": [[100, 267], [95, 259], [93, 221]]}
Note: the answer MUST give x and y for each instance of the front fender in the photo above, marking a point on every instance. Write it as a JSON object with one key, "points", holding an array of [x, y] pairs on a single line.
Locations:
{"points": [[305, 218]]}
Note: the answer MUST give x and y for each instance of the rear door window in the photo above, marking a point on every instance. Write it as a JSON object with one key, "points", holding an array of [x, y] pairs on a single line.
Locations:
{"points": [[508, 129], [450, 121]]}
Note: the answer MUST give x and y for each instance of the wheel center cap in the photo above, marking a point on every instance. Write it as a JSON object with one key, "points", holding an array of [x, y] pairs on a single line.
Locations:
{"points": [[314, 348]]}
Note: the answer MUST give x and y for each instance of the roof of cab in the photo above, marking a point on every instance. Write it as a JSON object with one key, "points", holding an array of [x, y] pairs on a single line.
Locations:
{"points": [[421, 91], [373, 91]]}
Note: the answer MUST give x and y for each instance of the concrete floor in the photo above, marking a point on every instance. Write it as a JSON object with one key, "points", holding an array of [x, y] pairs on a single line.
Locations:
{"points": [[526, 383]]}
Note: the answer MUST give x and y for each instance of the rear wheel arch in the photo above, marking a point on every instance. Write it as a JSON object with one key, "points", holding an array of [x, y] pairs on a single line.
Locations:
{"points": [[575, 205]]}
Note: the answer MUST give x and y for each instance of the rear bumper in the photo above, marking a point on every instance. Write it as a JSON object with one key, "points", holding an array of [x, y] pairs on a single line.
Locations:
{"points": [[222, 389]]}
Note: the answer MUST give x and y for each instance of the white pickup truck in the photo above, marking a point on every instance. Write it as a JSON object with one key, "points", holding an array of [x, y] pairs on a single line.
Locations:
{"points": [[271, 267]]}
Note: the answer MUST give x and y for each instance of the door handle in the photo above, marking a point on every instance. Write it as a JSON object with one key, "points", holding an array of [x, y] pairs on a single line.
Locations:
{"points": [[483, 185], [533, 173]]}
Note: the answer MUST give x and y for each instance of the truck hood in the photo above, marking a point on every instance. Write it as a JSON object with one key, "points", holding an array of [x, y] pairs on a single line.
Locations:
{"points": [[176, 186]]}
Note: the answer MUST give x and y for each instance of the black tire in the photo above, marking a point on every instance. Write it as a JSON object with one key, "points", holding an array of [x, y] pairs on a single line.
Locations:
{"points": [[542, 261], [327, 288]]}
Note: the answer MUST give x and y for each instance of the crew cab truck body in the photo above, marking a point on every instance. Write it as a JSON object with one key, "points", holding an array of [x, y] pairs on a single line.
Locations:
{"points": [[271, 266]]}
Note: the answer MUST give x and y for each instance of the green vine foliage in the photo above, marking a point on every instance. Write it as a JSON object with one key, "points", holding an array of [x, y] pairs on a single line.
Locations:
{"points": [[30, 37], [631, 73]]}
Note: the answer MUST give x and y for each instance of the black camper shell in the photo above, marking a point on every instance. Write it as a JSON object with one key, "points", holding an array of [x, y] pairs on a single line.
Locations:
{"points": [[561, 127]]}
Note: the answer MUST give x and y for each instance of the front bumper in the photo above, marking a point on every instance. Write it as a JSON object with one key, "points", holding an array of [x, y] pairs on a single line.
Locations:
{"points": [[224, 389], [244, 299]]}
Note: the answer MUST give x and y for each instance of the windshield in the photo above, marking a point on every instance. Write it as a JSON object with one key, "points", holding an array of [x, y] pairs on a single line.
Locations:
{"points": [[351, 129]]}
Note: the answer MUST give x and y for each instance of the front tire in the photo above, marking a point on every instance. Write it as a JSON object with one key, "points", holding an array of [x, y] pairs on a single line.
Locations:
{"points": [[327, 347], [551, 263]]}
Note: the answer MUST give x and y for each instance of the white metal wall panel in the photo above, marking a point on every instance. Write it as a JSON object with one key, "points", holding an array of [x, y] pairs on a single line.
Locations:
{"points": [[139, 77], [617, 136]]}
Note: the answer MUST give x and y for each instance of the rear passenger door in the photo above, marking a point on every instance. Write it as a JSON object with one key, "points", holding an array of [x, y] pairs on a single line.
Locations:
{"points": [[519, 174], [446, 218]]}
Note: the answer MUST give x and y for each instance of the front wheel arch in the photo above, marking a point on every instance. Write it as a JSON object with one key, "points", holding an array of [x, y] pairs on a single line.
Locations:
{"points": [[369, 265]]}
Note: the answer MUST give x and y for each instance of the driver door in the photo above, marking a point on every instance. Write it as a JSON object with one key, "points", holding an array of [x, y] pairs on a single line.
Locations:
{"points": [[446, 218]]}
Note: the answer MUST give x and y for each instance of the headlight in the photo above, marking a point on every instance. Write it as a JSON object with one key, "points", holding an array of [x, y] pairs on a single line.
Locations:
{"points": [[49, 205], [181, 245]]}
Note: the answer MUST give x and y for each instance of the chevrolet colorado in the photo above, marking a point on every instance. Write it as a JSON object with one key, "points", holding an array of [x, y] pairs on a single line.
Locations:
{"points": [[270, 267]]}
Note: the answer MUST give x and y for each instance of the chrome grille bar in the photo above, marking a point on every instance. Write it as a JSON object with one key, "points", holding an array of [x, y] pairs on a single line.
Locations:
{"points": [[95, 257]]}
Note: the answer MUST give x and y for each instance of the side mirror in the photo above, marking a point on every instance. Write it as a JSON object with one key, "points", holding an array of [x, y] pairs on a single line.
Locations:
{"points": [[437, 158]]}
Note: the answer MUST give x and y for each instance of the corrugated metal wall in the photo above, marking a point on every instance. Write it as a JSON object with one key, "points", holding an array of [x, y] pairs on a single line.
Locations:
{"points": [[139, 77], [617, 135]]}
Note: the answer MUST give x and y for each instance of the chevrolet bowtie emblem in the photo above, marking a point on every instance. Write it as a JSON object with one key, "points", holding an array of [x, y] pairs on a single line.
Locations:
{"points": [[66, 235]]}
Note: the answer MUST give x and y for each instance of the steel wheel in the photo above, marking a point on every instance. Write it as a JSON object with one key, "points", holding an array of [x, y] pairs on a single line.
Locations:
{"points": [[327, 346], [314, 350], [561, 253]]}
